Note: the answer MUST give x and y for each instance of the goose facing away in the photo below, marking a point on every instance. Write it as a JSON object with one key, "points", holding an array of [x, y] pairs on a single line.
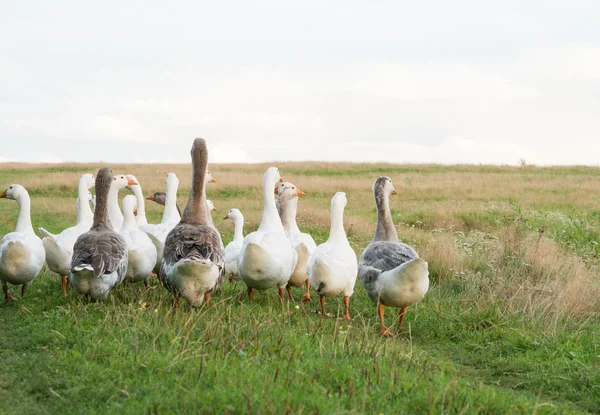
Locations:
{"points": [[304, 244], [332, 268], [193, 265], [59, 248], [233, 248], [267, 258], [142, 252], [22, 253], [100, 255], [391, 272]]}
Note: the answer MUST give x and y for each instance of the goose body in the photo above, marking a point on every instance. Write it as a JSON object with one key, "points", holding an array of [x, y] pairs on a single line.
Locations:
{"points": [[233, 248], [59, 248], [267, 258], [193, 265], [22, 253], [304, 244], [100, 255], [391, 272], [142, 252], [332, 268]]}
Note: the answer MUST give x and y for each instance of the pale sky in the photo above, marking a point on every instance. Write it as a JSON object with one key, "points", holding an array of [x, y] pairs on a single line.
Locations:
{"points": [[428, 81]]}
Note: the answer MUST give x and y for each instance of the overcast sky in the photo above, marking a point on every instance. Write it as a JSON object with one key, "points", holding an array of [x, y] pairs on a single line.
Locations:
{"points": [[428, 81]]}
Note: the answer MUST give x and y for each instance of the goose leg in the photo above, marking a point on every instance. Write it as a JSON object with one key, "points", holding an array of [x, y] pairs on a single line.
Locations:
{"points": [[250, 294], [384, 330], [63, 284], [402, 315], [289, 291], [306, 298], [146, 284], [23, 290], [176, 300], [323, 308], [231, 277], [7, 295], [207, 299], [347, 303], [282, 294]]}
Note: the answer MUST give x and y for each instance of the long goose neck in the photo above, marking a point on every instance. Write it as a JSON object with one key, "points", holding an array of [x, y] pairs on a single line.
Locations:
{"points": [[386, 231], [270, 221], [129, 222], [101, 219], [195, 210], [287, 212], [112, 203], [141, 204], [84, 211], [24, 220], [238, 228], [170, 212], [337, 231]]}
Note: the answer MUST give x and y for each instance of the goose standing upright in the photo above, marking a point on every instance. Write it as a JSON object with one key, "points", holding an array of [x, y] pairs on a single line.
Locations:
{"points": [[267, 258], [114, 212], [100, 255], [233, 248], [142, 252], [59, 248], [136, 189], [22, 253], [193, 265], [332, 268], [391, 271], [287, 205]]}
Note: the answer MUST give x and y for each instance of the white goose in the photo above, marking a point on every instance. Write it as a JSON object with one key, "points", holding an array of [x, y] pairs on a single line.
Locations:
{"points": [[158, 232], [100, 255], [142, 252], [193, 266], [267, 258], [332, 268], [59, 248], [391, 271], [22, 253], [287, 205], [233, 248], [114, 212], [136, 189], [210, 207]]}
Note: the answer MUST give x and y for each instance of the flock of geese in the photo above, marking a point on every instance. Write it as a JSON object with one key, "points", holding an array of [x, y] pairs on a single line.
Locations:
{"points": [[185, 250]]}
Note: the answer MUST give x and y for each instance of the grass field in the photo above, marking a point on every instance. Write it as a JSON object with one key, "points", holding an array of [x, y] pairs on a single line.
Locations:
{"points": [[511, 323]]}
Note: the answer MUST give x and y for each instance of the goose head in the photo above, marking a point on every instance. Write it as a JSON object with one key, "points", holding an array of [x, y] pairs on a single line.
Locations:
{"points": [[339, 200], [383, 188], [105, 180], [14, 192], [233, 214], [88, 179], [172, 181], [122, 181], [287, 191], [158, 197], [209, 178], [210, 206], [271, 177], [131, 181]]}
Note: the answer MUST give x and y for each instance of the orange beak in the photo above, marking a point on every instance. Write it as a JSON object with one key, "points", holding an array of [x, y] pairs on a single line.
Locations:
{"points": [[226, 217], [275, 190], [212, 180], [3, 195], [214, 209], [151, 197], [130, 182], [134, 212], [300, 192], [280, 180], [394, 192]]}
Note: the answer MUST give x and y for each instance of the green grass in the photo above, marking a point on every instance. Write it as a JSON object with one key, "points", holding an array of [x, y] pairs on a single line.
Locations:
{"points": [[461, 350]]}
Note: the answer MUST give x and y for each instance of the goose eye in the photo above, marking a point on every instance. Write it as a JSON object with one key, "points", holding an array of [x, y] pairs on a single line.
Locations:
{"points": [[293, 188], [10, 187]]}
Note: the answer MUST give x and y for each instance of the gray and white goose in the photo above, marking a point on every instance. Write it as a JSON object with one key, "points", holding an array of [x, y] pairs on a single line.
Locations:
{"points": [[391, 271], [193, 264], [100, 255]]}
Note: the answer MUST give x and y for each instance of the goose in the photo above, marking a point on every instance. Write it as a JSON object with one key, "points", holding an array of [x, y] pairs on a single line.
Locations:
{"points": [[59, 248], [142, 252], [267, 258], [22, 253], [136, 189], [287, 205], [160, 198], [114, 213], [93, 202], [332, 268], [100, 255], [158, 232], [233, 248], [193, 265], [391, 272]]}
